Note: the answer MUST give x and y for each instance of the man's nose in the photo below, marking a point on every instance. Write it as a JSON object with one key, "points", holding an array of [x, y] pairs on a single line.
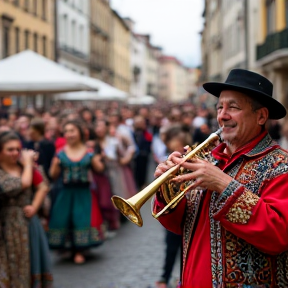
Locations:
{"points": [[224, 114]]}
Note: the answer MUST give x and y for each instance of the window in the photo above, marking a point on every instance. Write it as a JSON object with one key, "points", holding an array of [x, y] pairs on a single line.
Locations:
{"points": [[6, 41], [213, 6], [63, 28], [35, 7], [44, 3], [44, 44], [35, 42], [26, 5], [27, 36], [17, 42], [73, 34], [81, 35], [271, 16]]}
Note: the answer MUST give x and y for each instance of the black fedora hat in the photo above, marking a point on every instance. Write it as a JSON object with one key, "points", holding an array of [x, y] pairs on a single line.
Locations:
{"points": [[252, 84]]}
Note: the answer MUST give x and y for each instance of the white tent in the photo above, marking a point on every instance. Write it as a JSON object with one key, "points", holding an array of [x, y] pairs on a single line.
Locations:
{"points": [[30, 73], [141, 100], [105, 92]]}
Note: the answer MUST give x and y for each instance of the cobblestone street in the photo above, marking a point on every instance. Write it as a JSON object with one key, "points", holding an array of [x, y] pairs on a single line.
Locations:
{"points": [[134, 258]]}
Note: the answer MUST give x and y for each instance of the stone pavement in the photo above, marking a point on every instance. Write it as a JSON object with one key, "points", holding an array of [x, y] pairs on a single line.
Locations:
{"points": [[134, 259]]}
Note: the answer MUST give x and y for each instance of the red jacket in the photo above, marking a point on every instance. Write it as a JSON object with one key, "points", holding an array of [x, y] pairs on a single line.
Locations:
{"points": [[240, 237]]}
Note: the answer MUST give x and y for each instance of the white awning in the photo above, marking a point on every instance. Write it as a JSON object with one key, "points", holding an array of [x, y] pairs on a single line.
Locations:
{"points": [[141, 100], [105, 92], [30, 73]]}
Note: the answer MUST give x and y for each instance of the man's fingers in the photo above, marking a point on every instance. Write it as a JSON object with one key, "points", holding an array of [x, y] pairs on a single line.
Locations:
{"points": [[186, 177], [163, 167], [176, 159], [174, 154], [191, 166]]}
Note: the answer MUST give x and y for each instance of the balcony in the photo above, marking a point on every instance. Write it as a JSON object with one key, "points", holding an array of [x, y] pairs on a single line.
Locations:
{"points": [[273, 42], [74, 52], [99, 31]]}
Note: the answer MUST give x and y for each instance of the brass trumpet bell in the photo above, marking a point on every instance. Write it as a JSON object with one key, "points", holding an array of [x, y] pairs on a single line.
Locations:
{"points": [[128, 209]]}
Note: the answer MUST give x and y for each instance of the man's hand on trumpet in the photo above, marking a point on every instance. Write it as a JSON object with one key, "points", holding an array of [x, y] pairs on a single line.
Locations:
{"points": [[204, 173], [164, 166]]}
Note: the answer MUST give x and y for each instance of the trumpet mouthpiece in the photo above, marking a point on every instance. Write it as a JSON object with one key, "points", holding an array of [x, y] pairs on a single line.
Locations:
{"points": [[219, 131]]}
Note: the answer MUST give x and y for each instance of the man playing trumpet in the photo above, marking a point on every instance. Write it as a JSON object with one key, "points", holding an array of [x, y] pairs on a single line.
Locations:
{"points": [[235, 229]]}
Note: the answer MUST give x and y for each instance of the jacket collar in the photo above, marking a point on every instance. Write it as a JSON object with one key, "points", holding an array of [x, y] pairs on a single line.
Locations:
{"points": [[260, 145]]}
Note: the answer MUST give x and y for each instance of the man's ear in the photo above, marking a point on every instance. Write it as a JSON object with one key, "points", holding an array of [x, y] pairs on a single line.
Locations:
{"points": [[263, 115]]}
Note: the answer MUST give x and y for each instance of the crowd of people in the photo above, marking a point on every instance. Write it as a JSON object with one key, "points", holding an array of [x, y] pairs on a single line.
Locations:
{"points": [[59, 169]]}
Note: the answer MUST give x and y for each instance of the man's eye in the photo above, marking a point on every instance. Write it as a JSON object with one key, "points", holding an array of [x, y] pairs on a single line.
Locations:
{"points": [[219, 107]]}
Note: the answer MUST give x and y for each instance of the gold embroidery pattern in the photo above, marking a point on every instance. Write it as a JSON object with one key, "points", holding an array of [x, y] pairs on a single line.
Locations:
{"points": [[241, 210]]}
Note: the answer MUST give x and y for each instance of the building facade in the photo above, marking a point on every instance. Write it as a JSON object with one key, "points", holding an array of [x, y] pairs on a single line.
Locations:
{"points": [[229, 37], [173, 79], [120, 53], [27, 25], [73, 35], [153, 69], [138, 66], [193, 77], [234, 35], [272, 48], [100, 40], [212, 41]]}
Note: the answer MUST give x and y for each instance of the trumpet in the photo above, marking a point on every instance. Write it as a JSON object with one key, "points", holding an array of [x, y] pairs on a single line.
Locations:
{"points": [[130, 208]]}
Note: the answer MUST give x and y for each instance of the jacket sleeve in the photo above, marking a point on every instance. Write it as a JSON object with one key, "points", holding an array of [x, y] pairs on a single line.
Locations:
{"points": [[260, 220], [172, 220]]}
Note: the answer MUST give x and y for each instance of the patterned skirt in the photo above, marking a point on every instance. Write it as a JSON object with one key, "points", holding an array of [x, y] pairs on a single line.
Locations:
{"points": [[24, 253], [121, 179], [102, 189], [75, 221], [41, 267], [14, 250]]}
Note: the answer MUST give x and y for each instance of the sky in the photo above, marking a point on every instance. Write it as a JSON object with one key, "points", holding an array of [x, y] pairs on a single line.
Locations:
{"points": [[173, 25]]}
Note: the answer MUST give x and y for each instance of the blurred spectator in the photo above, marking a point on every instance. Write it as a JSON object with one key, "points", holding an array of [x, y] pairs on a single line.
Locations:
{"points": [[284, 139], [274, 129], [76, 210], [44, 147], [201, 118], [158, 147], [144, 112], [187, 120], [201, 133], [99, 114], [175, 115], [21, 127], [87, 116], [143, 141], [4, 128]]}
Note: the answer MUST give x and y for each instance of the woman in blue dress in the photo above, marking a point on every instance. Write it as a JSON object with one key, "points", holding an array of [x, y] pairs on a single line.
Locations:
{"points": [[76, 221]]}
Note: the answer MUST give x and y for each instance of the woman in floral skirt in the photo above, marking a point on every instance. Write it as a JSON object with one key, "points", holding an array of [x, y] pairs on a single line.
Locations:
{"points": [[24, 253]]}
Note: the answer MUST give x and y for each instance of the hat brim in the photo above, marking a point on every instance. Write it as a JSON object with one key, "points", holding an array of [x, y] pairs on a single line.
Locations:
{"points": [[275, 108]]}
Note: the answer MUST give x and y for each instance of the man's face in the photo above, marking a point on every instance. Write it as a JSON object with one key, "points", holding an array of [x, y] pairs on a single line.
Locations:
{"points": [[241, 124], [32, 134]]}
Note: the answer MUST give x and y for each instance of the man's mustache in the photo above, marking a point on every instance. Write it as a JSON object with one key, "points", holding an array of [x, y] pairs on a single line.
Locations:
{"points": [[229, 125]]}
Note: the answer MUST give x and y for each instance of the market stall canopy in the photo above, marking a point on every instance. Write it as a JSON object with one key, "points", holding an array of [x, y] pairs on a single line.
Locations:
{"points": [[30, 73], [105, 92], [141, 100]]}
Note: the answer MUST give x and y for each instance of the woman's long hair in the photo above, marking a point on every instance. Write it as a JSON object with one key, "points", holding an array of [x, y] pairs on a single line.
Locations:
{"points": [[79, 125]]}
